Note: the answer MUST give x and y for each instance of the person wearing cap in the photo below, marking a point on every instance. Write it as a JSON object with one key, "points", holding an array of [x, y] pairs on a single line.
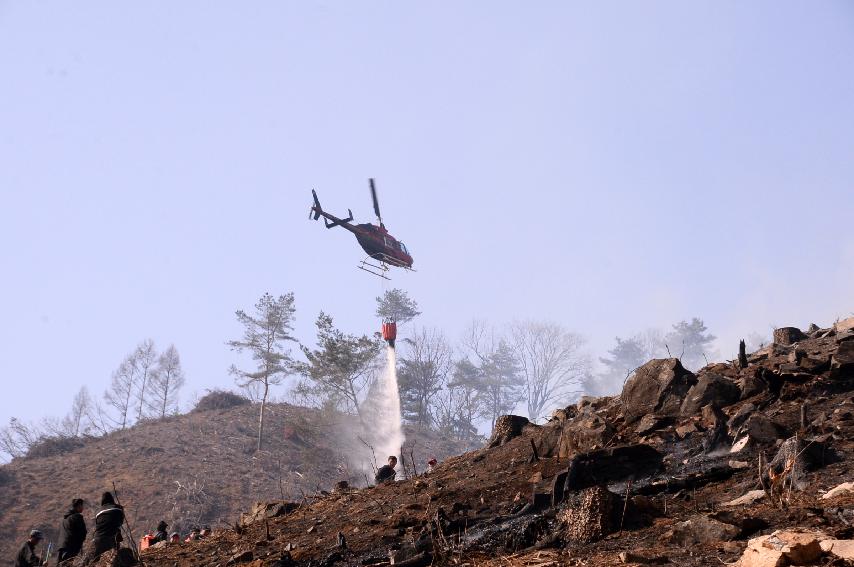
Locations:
{"points": [[27, 555], [161, 534], [108, 526], [431, 464], [194, 535], [175, 537], [206, 531], [72, 533]]}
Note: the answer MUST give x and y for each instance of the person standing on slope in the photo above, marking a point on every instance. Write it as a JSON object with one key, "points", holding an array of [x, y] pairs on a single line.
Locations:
{"points": [[27, 555], [108, 526], [72, 532]]}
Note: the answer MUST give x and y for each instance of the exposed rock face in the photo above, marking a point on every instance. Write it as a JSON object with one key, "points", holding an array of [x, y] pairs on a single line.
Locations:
{"points": [[781, 548], [844, 325], [710, 388], [506, 428], [788, 335], [659, 386], [844, 488], [760, 430], [587, 432], [701, 530], [841, 548], [752, 384], [590, 515], [842, 363]]}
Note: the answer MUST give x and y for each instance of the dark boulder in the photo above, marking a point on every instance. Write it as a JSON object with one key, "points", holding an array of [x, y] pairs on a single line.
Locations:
{"points": [[651, 422], [507, 427], [587, 432], [659, 386], [612, 465], [842, 362], [710, 389], [752, 383], [761, 430], [788, 335]]}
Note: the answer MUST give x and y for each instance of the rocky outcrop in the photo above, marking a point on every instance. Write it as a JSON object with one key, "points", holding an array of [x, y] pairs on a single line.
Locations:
{"points": [[588, 431], [658, 387], [788, 335], [842, 362], [710, 388], [782, 548]]}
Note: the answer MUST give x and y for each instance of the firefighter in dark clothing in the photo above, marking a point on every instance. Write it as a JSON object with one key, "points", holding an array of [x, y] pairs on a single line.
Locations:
{"points": [[27, 555], [161, 534], [108, 526], [386, 473], [72, 533]]}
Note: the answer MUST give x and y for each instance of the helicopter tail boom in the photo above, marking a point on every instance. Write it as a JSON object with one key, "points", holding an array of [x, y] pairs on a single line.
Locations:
{"points": [[331, 221]]}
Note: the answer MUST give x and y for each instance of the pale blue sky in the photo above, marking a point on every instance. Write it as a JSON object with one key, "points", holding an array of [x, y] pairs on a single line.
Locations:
{"points": [[609, 165]]}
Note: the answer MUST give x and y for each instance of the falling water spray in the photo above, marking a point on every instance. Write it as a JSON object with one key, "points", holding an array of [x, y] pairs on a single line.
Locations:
{"points": [[389, 428]]}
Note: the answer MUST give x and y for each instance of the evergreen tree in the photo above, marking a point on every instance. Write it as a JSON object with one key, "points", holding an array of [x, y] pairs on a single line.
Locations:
{"points": [[690, 342], [395, 305], [340, 368], [265, 337]]}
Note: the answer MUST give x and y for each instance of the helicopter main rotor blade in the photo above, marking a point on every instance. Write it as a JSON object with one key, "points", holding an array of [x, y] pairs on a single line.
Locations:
{"points": [[376, 201]]}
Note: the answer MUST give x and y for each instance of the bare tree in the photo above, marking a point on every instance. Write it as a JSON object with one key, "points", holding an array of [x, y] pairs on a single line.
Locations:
{"points": [[143, 360], [499, 380], [17, 438], [423, 371], [167, 378], [98, 419], [265, 335], [551, 361], [75, 422], [120, 392]]}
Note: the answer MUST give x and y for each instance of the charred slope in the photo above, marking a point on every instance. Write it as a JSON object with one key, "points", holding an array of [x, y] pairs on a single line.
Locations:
{"points": [[652, 472], [192, 469]]}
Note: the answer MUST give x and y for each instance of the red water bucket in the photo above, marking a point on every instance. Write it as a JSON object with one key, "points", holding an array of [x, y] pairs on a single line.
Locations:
{"points": [[390, 332]]}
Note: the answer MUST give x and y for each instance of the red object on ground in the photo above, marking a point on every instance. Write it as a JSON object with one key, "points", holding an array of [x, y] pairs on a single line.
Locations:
{"points": [[390, 332], [145, 542]]}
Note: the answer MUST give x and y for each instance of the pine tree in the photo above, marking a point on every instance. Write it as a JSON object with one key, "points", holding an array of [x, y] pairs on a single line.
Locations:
{"points": [[265, 336]]}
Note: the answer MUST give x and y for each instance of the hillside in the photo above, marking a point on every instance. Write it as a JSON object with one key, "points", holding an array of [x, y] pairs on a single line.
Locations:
{"points": [[735, 461], [192, 469]]}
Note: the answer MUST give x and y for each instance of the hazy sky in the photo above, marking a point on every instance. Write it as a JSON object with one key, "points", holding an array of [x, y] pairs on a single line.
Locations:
{"points": [[608, 165]]}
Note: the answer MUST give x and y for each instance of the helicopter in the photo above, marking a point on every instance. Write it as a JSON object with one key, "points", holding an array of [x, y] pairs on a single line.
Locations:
{"points": [[382, 248]]}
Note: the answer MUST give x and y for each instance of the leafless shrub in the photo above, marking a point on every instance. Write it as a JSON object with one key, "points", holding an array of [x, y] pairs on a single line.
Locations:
{"points": [[51, 446]]}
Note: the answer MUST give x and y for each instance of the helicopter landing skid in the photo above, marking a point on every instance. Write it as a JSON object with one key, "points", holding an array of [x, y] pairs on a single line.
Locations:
{"points": [[378, 269]]}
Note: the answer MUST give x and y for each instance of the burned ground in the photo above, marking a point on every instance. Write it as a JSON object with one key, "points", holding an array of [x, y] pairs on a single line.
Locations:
{"points": [[596, 482]]}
